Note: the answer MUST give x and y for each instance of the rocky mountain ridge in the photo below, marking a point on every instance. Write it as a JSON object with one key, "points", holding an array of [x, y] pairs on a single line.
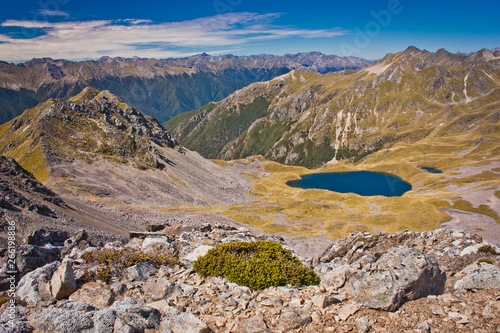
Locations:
{"points": [[445, 281], [304, 118], [94, 149], [160, 88]]}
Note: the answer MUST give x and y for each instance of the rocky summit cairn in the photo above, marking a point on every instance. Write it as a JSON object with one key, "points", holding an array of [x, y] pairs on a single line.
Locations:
{"points": [[434, 281]]}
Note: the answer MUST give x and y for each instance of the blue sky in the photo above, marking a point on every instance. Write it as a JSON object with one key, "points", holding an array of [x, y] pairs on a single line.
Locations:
{"points": [[78, 30]]}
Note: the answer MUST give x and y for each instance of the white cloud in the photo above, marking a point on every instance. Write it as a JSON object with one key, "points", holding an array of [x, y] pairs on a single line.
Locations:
{"points": [[143, 38], [53, 12]]}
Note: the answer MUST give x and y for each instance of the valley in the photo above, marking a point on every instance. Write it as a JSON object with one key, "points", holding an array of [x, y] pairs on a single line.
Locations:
{"points": [[95, 150], [249, 167]]}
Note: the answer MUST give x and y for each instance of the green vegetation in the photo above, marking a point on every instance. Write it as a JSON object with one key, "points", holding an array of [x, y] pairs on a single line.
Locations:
{"points": [[488, 249], [485, 260], [257, 265], [225, 127], [113, 262]]}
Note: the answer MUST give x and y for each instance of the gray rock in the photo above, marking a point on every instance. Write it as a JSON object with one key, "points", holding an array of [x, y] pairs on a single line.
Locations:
{"points": [[63, 281], [94, 293], [362, 324], [200, 251], [64, 321], [122, 327], [154, 240], [75, 306], [141, 271], [324, 301], [482, 276], [336, 277], [104, 321], [459, 318], [182, 322], [400, 275], [348, 310], [31, 257], [293, 318], [157, 288], [20, 325], [255, 324], [139, 317], [74, 240], [42, 236], [27, 288], [437, 310]]}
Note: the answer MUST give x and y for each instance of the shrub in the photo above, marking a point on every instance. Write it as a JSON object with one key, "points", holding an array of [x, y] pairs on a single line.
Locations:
{"points": [[487, 248], [486, 260], [257, 265], [113, 262]]}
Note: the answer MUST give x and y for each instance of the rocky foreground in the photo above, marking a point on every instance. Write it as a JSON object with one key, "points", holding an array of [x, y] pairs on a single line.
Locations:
{"points": [[434, 281]]}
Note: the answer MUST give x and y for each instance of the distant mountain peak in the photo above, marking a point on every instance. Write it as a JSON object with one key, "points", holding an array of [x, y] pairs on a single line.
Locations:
{"points": [[411, 49]]}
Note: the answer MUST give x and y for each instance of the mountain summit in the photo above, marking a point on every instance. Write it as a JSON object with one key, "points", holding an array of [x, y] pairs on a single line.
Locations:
{"points": [[96, 146]]}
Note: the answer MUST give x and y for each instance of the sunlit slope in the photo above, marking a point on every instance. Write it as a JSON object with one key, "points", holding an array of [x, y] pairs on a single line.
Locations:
{"points": [[304, 118]]}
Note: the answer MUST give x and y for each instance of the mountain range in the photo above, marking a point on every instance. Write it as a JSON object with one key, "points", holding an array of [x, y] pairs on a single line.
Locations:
{"points": [[308, 119], [413, 109], [160, 88]]}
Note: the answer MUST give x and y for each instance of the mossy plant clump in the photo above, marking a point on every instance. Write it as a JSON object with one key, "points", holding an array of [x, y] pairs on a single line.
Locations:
{"points": [[257, 265], [488, 248], [113, 262]]}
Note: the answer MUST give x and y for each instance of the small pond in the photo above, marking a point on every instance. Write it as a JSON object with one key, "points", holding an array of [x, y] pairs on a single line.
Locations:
{"points": [[364, 183], [431, 170]]}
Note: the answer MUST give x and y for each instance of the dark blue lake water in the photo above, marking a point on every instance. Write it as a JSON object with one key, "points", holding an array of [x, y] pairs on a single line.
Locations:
{"points": [[364, 183], [431, 170]]}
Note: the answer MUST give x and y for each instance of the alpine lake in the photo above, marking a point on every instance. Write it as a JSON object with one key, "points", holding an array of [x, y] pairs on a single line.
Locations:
{"points": [[365, 183]]}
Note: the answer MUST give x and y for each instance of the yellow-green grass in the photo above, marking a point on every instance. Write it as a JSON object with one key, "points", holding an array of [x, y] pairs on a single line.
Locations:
{"points": [[281, 208]]}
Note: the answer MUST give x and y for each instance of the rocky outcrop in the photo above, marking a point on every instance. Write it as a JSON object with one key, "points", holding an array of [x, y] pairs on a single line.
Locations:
{"points": [[369, 282], [29, 288], [479, 276], [401, 274], [96, 294], [63, 282], [42, 236]]}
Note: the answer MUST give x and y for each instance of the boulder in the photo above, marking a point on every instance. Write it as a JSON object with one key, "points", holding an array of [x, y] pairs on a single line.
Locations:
{"points": [[401, 274], [293, 318], [200, 251], [154, 240], [27, 288], [14, 320], [479, 276], [129, 314], [335, 277], [324, 301], [348, 310], [157, 288], [255, 324], [31, 257], [63, 282], [182, 322], [96, 294], [104, 321], [63, 321], [141, 271], [362, 324], [42, 236]]}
